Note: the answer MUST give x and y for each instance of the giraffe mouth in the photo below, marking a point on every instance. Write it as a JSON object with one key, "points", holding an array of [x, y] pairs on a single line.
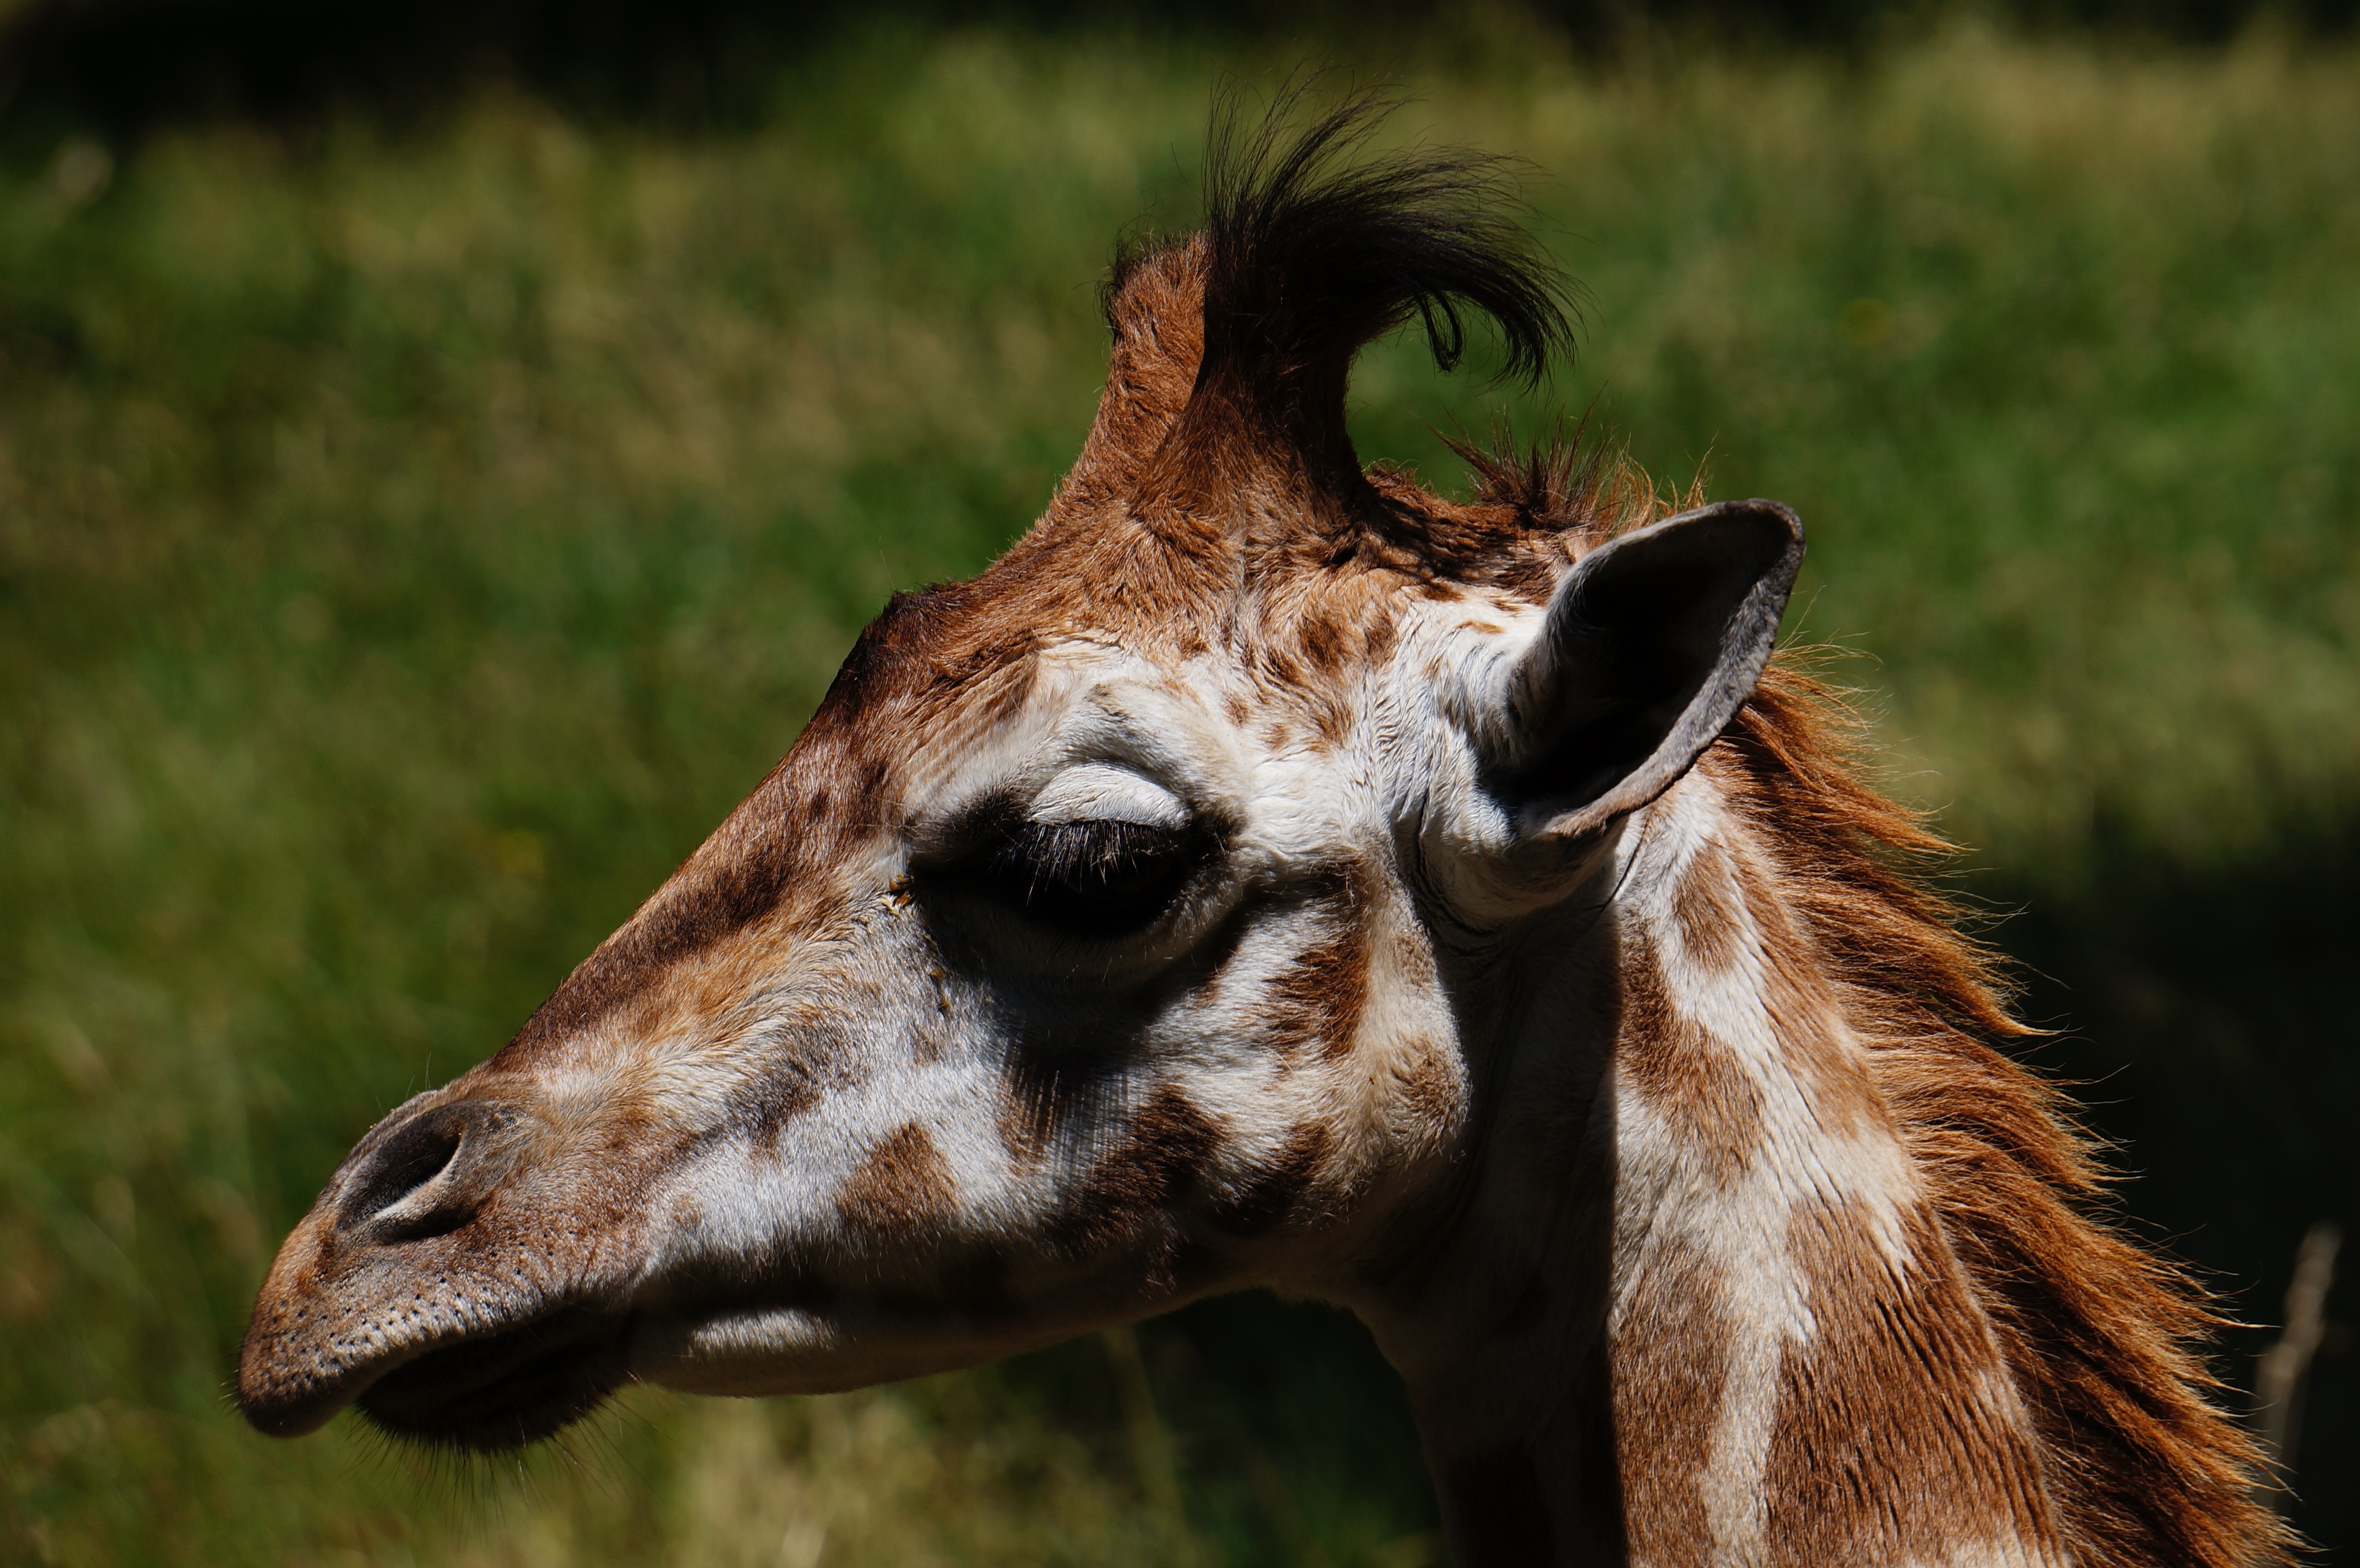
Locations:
{"points": [[505, 1391]]}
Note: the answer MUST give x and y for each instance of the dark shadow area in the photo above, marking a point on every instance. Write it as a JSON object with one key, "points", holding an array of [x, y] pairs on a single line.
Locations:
{"points": [[2208, 1018], [1286, 1422], [1339, 1423], [125, 67]]}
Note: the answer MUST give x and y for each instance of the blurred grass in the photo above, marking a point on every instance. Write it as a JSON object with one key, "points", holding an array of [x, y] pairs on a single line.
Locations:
{"points": [[412, 542]]}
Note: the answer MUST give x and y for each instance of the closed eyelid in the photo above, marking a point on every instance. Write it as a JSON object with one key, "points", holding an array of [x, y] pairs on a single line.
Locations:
{"points": [[1102, 792]]}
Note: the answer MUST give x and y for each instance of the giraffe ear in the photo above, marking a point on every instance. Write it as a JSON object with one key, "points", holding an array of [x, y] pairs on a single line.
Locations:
{"points": [[1652, 644]]}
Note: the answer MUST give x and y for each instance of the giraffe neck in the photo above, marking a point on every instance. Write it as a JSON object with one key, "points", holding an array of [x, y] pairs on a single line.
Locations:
{"points": [[1694, 1306]]}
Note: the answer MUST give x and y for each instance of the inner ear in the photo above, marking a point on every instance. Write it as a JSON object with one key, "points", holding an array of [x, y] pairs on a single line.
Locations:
{"points": [[1652, 644]]}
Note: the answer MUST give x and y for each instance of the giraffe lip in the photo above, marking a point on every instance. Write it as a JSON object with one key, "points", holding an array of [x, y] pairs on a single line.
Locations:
{"points": [[507, 1389]]}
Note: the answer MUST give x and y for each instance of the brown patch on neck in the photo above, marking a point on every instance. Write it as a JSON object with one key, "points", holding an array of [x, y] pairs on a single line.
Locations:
{"points": [[1815, 1036], [905, 1183], [1892, 1398], [1685, 1075], [1702, 912], [1671, 1363]]}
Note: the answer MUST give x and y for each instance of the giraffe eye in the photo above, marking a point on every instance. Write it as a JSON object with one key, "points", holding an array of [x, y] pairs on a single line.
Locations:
{"points": [[1089, 878]]}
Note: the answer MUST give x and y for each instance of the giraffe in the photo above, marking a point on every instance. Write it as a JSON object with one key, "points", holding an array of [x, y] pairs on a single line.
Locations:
{"points": [[1272, 872]]}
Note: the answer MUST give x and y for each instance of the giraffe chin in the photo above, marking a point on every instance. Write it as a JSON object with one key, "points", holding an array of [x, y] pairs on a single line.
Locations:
{"points": [[505, 1391]]}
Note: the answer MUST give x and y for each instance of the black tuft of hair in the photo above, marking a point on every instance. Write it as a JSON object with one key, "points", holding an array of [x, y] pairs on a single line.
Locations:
{"points": [[1312, 256]]}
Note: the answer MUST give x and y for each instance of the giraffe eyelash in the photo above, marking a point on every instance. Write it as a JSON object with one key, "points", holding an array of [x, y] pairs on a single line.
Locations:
{"points": [[1096, 878]]}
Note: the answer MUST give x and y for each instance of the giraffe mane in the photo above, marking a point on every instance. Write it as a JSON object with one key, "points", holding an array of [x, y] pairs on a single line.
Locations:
{"points": [[2103, 1336]]}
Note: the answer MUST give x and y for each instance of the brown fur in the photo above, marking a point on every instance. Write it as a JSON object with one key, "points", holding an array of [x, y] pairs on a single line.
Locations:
{"points": [[1321, 996], [2099, 1337], [1890, 1399], [1428, 1089], [1171, 1144], [1218, 507], [1032, 1107], [1667, 1386], [1683, 1074], [903, 1184], [1700, 908]]}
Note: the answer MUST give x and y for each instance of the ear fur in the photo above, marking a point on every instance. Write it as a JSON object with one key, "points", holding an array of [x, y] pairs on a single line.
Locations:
{"points": [[1651, 645]]}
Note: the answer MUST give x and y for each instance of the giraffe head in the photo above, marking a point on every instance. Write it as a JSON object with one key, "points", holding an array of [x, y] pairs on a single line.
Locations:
{"points": [[1102, 941]]}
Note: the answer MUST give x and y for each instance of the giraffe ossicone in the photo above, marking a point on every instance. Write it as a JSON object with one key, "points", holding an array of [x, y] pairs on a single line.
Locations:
{"points": [[1272, 873]]}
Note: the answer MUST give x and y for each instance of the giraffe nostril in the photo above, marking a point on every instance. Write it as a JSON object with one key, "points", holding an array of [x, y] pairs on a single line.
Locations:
{"points": [[409, 1160]]}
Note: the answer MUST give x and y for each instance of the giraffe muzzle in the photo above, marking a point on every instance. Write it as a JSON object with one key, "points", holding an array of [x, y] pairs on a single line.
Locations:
{"points": [[439, 1283]]}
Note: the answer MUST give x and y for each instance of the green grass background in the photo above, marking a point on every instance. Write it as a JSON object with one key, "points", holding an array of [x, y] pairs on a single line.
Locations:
{"points": [[415, 536]]}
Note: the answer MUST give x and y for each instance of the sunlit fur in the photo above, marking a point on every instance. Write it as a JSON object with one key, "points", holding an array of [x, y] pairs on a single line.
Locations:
{"points": [[1670, 1157]]}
